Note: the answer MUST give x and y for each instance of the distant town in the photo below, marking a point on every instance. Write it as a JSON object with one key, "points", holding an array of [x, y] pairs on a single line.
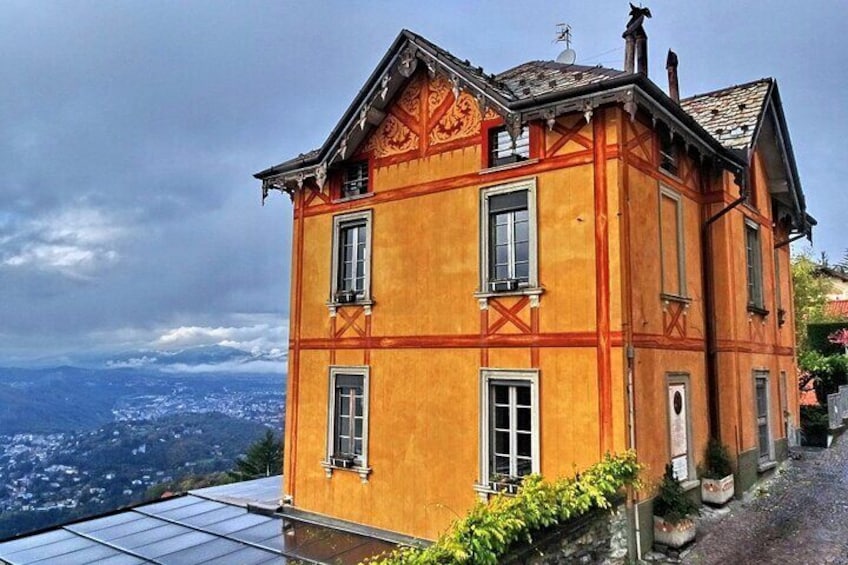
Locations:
{"points": [[152, 439]]}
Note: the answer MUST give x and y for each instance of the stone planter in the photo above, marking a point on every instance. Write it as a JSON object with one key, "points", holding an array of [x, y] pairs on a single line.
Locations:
{"points": [[717, 491], [673, 535]]}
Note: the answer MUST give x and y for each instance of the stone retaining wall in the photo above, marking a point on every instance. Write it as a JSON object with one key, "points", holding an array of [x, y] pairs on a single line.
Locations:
{"points": [[598, 537]]}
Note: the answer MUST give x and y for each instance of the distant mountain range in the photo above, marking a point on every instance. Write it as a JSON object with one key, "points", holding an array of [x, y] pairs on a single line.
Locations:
{"points": [[59, 399]]}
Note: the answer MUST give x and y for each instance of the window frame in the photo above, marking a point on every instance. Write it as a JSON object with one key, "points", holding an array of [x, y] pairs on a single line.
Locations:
{"points": [[762, 375], [330, 462], [343, 181], [682, 290], [486, 248], [668, 153], [510, 377], [519, 152], [755, 291], [341, 221]]}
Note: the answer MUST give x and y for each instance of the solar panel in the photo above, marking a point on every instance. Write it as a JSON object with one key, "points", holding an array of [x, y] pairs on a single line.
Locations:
{"points": [[162, 547], [10, 547], [53, 551]]}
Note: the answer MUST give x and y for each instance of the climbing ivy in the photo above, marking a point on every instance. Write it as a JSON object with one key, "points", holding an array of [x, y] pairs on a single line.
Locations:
{"points": [[491, 528]]}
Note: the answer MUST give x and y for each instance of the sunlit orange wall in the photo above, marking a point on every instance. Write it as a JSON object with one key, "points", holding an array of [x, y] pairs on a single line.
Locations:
{"points": [[424, 399]]}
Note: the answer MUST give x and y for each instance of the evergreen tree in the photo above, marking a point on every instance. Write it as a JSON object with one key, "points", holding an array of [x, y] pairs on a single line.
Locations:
{"points": [[263, 459]]}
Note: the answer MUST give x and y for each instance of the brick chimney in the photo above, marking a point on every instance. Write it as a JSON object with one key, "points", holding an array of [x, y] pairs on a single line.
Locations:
{"points": [[673, 84], [636, 41]]}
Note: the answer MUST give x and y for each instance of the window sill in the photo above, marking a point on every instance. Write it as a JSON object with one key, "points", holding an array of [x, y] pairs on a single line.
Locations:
{"points": [[669, 174], [528, 291], [766, 466], [333, 306], [352, 198], [666, 297], [362, 470], [509, 166], [487, 490], [533, 292], [691, 484], [758, 310]]}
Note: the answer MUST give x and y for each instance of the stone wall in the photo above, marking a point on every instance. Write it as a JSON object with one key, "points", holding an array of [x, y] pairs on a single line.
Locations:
{"points": [[598, 537]]}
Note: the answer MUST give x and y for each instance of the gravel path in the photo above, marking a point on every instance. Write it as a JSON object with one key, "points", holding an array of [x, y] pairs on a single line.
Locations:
{"points": [[798, 516]]}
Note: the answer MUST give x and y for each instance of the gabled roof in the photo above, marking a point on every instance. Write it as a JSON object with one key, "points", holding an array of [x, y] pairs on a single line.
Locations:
{"points": [[535, 90], [732, 114], [723, 125]]}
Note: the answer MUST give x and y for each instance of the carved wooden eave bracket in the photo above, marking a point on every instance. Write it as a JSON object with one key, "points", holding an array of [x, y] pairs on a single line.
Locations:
{"points": [[294, 180]]}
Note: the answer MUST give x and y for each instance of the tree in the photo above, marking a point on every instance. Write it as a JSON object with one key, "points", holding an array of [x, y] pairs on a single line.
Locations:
{"points": [[263, 459], [809, 299]]}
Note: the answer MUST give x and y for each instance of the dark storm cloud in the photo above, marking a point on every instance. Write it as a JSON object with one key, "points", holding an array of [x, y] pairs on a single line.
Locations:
{"points": [[130, 131]]}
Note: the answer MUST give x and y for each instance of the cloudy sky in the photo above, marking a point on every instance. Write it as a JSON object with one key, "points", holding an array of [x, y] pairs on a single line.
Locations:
{"points": [[129, 132]]}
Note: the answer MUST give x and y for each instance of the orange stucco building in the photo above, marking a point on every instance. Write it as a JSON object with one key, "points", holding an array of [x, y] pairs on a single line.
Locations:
{"points": [[494, 275]]}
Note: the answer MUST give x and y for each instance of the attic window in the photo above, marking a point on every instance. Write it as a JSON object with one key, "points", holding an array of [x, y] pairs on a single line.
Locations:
{"points": [[502, 150], [355, 180], [669, 153]]}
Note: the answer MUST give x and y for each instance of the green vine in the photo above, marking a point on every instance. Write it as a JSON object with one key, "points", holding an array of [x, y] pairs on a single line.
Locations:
{"points": [[491, 528]]}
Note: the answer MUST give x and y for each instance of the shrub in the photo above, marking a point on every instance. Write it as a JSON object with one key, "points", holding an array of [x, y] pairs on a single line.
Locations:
{"points": [[491, 528], [716, 461], [671, 503]]}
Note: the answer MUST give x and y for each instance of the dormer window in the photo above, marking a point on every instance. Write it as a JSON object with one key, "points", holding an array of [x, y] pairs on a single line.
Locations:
{"points": [[355, 181], [502, 151], [669, 153]]}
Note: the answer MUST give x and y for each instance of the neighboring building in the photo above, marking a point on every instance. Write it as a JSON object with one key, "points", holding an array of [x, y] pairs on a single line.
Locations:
{"points": [[494, 275], [837, 297]]}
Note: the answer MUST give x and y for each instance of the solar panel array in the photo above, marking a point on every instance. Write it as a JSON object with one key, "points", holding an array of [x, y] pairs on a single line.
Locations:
{"points": [[191, 530]]}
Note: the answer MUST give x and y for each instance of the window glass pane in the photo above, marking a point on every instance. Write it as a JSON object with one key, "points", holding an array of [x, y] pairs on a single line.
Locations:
{"points": [[501, 233], [502, 442], [523, 417], [502, 417], [501, 394], [501, 255], [522, 252], [523, 395], [357, 447], [522, 228], [501, 465], [523, 467], [358, 428], [523, 444], [522, 271], [344, 426], [359, 403]]}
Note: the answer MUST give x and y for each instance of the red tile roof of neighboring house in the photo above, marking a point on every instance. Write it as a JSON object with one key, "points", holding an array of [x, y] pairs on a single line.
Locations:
{"points": [[838, 308]]}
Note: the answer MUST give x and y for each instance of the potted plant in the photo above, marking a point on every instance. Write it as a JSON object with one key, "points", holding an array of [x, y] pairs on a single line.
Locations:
{"points": [[673, 511], [717, 485]]}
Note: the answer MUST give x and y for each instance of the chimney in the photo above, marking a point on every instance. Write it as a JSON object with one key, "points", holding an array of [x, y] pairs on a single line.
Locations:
{"points": [[673, 85], [636, 41]]}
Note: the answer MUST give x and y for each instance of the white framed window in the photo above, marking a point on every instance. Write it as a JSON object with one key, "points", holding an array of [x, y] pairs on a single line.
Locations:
{"points": [[672, 244], [347, 420], [502, 149], [509, 428], [508, 238], [761, 397], [754, 265], [351, 257], [355, 179]]}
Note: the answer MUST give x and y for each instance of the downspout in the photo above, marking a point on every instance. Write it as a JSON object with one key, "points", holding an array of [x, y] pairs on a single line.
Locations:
{"points": [[709, 306]]}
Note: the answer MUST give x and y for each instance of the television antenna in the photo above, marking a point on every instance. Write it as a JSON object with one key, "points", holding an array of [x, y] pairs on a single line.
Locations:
{"points": [[563, 35]]}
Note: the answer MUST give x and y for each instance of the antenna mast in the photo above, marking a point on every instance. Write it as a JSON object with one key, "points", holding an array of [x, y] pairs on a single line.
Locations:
{"points": [[563, 35]]}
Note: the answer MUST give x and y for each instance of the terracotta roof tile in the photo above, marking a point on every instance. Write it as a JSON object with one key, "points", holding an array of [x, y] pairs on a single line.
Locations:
{"points": [[837, 308]]}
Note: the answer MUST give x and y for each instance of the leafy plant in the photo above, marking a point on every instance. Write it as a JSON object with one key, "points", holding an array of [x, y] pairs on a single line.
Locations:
{"points": [[716, 461], [491, 528], [827, 373], [671, 503]]}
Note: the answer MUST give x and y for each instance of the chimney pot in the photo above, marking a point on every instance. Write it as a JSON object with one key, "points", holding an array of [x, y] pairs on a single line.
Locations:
{"points": [[673, 83]]}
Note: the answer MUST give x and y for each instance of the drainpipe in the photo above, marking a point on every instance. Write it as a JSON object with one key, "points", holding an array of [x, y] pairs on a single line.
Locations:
{"points": [[709, 306], [631, 411]]}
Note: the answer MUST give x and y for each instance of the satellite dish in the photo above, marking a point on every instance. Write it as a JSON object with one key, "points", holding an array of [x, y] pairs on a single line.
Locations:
{"points": [[567, 57]]}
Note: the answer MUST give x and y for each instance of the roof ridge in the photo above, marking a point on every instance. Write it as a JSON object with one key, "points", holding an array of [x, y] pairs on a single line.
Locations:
{"points": [[769, 80]]}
